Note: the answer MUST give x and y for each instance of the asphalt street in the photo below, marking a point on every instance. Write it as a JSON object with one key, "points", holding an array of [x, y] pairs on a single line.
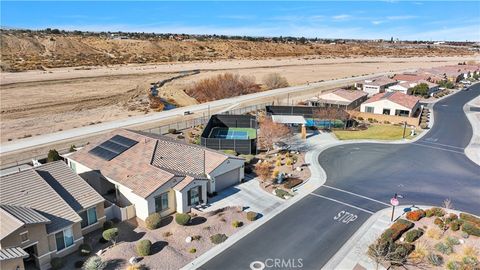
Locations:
{"points": [[361, 179]]}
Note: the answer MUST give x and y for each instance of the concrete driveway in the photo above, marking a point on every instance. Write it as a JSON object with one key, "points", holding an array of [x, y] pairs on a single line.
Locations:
{"points": [[248, 194]]}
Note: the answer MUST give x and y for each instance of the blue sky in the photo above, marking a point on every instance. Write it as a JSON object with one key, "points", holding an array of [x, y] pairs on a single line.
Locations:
{"points": [[411, 20]]}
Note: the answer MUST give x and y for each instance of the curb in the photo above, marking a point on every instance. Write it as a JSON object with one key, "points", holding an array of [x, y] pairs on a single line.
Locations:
{"points": [[472, 151]]}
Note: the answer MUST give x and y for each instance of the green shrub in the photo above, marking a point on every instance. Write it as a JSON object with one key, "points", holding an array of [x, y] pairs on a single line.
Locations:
{"points": [[252, 216], [415, 215], [182, 219], [396, 230], [84, 249], [454, 265], [435, 259], [230, 152], [72, 149], [413, 235], [94, 263], [451, 217], [470, 262], [452, 241], [53, 155], [455, 225], [78, 264], [143, 247], [444, 248], [437, 211], [281, 193], [172, 131], [248, 158], [471, 229], [237, 224], [470, 218], [218, 238], [107, 225], [192, 250], [429, 212], [57, 263], [110, 235], [153, 221]]}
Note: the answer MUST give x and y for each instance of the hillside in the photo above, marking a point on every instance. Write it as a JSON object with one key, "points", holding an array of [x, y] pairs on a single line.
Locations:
{"points": [[21, 51]]}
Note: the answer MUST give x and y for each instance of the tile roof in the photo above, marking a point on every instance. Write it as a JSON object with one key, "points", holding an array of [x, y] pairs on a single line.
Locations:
{"points": [[185, 182], [71, 187], [351, 95], [152, 162], [409, 77], [396, 97], [12, 253], [28, 189], [380, 81], [8, 224], [25, 215]]}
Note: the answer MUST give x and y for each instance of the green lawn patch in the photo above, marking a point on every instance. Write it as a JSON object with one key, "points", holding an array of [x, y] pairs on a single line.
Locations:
{"points": [[374, 132]]}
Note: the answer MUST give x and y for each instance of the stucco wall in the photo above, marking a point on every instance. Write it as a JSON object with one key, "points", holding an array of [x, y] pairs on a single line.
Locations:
{"points": [[182, 199], [411, 121], [14, 264], [226, 166], [100, 209]]}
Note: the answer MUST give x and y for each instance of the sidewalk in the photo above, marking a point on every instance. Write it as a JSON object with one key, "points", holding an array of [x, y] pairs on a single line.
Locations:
{"points": [[472, 151]]}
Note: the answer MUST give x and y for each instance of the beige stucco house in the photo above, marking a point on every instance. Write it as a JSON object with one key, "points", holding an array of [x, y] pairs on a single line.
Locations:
{"points": [[45, 211], [340, 98], [154, 173], [375, 85], [391, 103]]}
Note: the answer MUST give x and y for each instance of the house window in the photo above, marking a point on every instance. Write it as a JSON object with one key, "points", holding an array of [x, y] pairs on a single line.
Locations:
{"points": [[24, 237], [161, 202], [369, 109], [402, 112], [64, 239], [194, 196], [386, 111], [89, 217]]}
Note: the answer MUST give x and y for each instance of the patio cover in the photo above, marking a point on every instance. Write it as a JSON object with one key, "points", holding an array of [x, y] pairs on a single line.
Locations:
{"points": [[289, 119]]}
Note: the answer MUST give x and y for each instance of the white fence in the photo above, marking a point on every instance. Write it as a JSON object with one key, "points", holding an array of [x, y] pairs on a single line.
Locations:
{"points": [[121, 213]]}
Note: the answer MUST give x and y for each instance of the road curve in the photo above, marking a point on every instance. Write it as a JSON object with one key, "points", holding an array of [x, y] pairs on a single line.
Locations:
{"points": [[360, 180]]}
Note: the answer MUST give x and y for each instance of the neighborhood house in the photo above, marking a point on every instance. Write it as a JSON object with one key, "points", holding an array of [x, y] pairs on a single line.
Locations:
{"points": [[154, 173], [44, 212], [406, 87], [391, 103], [340, 98], [376, 85]]}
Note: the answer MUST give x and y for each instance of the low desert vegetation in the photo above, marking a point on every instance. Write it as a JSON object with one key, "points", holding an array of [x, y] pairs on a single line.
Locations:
{"points": [[143, 247], [182, 219], [218, 238], [274, 81], [153, 221]]}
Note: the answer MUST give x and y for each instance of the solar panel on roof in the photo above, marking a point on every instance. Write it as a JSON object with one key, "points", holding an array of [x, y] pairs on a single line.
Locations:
{"points": [[113, 147]]}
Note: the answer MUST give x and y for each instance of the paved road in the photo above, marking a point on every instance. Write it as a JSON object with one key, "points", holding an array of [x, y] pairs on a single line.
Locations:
{"points": [[28, 143], [360, 180]]}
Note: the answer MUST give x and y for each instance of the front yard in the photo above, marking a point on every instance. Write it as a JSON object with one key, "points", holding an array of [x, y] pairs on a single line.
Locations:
{"points": [[376, 132]]}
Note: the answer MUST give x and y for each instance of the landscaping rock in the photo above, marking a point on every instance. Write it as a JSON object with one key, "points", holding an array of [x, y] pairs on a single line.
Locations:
{"points": [[188, 239]]}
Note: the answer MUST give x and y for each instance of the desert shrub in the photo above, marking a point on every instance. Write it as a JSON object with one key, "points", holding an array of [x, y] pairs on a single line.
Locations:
{"points": [[396, 230], [218, 238], [192, 250], [278, 163], [196, 237], [84, 249], [292, 182], [470, 262], [370, 120], [470, 251], [443, 248], [53, 155], [386, 122], [72, 149], [222, 86], [167, 234], [451, 217], [252, 216], [455, 226], [429, 212], [416, 215], [94, 263], [360, 118], [107, 225], [153, 221], [172, 131], [110, 235], [420, 252], [180, 137], [230, 152], [434, 233], [402, 251], [281, 193], [470, 218], [274, 81], [78, 264], [413, 235], [471, 229], [435, 259], [182, 219], [143, 247], [237, 224], [288, 162], [437, 211], [263, 170], [439, 222], [454, 265], [452, 241], [248, 158], [57, 263], [275, 174]]}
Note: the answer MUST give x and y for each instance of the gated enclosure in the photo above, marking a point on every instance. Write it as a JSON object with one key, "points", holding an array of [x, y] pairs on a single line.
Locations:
{"points": [[237, 123]]}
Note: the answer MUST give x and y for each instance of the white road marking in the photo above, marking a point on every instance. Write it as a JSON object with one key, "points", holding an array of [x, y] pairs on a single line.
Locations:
{"points": [[340, 202], [438, 148], [345, 217], [446, 145], [358, 195]]}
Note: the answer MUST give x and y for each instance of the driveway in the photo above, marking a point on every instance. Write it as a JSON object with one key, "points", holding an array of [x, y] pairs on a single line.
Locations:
{"points": [[248, 194]]}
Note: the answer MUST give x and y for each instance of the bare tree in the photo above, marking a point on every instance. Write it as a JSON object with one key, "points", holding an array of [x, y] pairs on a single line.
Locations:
{"points": [[271, 132], [263, 170], [274, 81]]}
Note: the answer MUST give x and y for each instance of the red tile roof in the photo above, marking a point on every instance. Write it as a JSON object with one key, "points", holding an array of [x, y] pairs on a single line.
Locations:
{"points": [[396, 97], [350, 95]]}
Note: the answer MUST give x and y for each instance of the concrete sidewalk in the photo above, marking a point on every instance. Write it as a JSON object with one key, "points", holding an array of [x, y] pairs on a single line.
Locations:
{"points": [[472, 151]]}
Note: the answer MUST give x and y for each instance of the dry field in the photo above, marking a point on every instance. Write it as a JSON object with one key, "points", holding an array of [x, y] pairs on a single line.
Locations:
{"points": [[40, 102]]}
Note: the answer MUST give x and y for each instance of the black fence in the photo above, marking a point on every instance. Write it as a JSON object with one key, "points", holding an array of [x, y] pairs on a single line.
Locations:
{"points": [[305, 111], [241, 146]]}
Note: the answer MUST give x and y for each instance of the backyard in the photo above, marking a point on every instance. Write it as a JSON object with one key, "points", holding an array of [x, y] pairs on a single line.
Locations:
{"points": [[376, 132]]}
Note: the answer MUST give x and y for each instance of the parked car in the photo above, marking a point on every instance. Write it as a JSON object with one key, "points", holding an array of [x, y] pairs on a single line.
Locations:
{"points": [[187, 112]]}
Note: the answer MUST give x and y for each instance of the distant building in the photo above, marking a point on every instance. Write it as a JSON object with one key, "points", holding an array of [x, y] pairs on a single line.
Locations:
{"points": [[340, 98], [391, 103], [376, 85], [405, 87]]}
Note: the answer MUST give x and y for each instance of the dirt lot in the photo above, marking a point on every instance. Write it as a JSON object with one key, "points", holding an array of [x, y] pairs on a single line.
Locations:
{"points": [[40, 102]]}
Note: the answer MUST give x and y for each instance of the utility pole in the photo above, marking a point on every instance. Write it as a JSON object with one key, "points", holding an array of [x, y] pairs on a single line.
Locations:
{"points": [[404, 128]]}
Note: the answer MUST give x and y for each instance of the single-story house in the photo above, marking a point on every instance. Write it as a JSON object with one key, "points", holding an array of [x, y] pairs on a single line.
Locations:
{"points": [[340, 98], [44, 213], [376, 85], [154, 173], [391, 103], [406, 87]]}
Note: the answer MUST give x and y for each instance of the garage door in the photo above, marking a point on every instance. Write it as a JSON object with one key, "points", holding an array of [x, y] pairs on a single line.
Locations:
{"points": [[227, 179]]}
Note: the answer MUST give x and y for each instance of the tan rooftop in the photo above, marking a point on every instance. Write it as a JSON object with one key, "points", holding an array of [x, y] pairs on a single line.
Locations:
{"points": [[402, 99]]}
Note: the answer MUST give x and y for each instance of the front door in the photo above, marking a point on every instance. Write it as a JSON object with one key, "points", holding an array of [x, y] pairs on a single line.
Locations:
{"points": [[195, 196], [31, 261]]}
